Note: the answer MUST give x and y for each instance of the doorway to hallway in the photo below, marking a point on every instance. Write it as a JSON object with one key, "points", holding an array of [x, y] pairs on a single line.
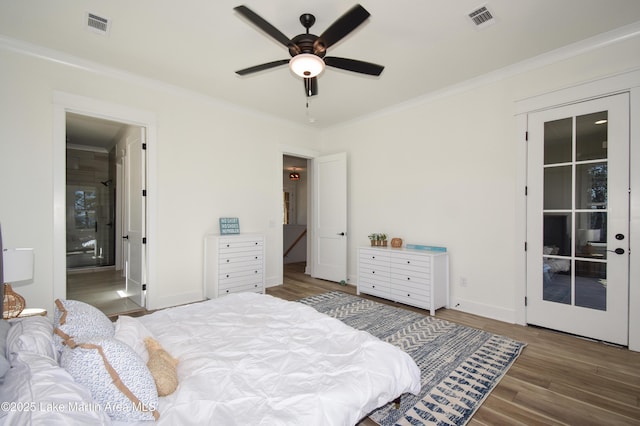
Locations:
{"points": [[295, 211]]}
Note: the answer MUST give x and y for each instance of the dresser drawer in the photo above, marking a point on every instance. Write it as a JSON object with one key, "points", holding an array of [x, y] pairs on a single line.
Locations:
{"points": [[231, 247], [241, 266], [399, 278], [231, 276], [240, 256], [371, 256], [374, 270], [374, 289], [253, 287], [413, 299], [411, 263]]}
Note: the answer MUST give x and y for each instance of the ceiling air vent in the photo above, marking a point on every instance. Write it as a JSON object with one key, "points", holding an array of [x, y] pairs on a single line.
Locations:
{"points": [[98, 24], [482, 17]]}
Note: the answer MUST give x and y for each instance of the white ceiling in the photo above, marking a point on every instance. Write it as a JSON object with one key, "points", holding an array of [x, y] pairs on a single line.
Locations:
{"points": [[425, 45]]}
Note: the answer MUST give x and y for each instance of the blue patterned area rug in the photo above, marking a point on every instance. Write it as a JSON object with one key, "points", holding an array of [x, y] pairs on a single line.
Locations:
{"points": [[459, 365]]}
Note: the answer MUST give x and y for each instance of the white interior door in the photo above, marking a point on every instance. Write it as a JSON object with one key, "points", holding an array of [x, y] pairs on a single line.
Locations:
{"points": [[135, 224], [330, 217], [578, 219]]}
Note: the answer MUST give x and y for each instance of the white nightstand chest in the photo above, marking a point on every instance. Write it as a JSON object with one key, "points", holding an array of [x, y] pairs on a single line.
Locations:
{"points": [[414, 277], [233, 263]]}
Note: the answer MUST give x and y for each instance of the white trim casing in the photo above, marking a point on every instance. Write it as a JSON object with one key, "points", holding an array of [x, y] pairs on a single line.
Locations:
{"points": [[63, 103], [623, 82]]}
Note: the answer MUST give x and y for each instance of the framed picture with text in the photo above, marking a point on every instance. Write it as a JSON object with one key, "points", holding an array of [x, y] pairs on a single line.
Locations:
{"points": [[229, 225]]}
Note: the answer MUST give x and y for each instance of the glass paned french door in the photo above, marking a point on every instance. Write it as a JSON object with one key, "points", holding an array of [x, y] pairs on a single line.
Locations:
{"points": [[577, 218]]}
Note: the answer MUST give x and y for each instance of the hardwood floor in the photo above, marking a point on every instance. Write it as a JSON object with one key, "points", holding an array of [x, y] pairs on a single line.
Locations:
{"points": [[99, 287], [557, 380]]}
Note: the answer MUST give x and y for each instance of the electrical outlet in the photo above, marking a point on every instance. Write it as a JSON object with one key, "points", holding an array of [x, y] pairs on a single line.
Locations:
{"points": [[463, 281]]}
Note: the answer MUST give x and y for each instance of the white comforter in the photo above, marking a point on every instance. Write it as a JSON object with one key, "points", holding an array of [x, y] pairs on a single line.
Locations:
{"points": [[253, 359]]}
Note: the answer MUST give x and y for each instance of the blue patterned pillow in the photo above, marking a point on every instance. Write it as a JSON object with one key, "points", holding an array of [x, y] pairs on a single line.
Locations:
{"points": [[115, 375], [79, 321]]}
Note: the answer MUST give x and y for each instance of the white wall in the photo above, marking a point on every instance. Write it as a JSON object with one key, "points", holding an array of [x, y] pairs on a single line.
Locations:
{"points": [[209, 164], [444, 171]]}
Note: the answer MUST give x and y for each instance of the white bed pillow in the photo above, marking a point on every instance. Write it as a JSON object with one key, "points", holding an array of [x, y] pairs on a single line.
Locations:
{"points": [[131, 331], [115, 375], [79, 321], [42, 393], [32, 334]]}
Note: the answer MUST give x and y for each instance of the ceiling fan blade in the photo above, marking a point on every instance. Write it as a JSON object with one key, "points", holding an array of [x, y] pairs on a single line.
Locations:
{"points": [[354, 65], [311, 86], [263, 67], [341, 27], [259, 22]]}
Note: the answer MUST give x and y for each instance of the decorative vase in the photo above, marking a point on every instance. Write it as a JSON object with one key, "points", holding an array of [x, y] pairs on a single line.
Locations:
{"points": [[396, 242]]}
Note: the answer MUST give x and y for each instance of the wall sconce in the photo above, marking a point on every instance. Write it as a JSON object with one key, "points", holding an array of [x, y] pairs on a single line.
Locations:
{"points": [[18, 266]]}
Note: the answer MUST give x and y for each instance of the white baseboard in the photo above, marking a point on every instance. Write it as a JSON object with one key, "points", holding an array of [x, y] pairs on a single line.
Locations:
{"points": [[487, 311], [174, 300]]}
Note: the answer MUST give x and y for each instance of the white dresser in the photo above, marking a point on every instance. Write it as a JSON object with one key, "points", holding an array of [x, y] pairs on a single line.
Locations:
{"points": [[233, 263], [414, 277]]}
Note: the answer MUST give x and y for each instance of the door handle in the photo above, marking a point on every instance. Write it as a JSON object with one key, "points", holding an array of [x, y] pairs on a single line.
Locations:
{"points": [[125, 237], [341, 234], [617, 251]]}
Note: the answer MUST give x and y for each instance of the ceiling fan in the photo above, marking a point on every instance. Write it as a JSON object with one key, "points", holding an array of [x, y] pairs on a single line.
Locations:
{"points": [[308, 50]]}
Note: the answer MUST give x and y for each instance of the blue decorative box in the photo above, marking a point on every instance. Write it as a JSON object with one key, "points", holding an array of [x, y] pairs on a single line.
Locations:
{"points": [[423, 247]]}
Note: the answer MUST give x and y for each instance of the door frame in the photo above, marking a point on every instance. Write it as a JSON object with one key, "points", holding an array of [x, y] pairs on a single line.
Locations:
{"points": [[309, 155], [62, 104], [610, 85]]}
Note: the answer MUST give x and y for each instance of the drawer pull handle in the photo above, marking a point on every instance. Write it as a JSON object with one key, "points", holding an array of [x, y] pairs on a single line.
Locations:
{"points": [[408, 261], [373, 257], [373, 272], [373, 286], [228, 245], [408, 295], [227, 275], [408, 278], [227, 260], [255, 272], [227, 291]]}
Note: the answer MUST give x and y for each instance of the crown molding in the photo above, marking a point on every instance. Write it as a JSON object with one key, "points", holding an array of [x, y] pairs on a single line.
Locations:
{"points": [[608, 38], [601, 40], [65, 59]]}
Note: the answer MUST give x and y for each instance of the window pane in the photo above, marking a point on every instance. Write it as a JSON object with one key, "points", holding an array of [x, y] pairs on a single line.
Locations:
{"points": [[591, 235], [591, 285], [557, 280], [557, 234], [591, 136], [557, 141], [557, 188], [591, 186]]}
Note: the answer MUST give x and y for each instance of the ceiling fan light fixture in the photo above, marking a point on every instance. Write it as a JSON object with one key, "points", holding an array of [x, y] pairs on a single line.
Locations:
{"points": [[306, 65]]}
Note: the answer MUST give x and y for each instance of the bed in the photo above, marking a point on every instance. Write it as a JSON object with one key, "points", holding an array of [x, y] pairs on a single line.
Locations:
{"points": [[245, 359]]}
